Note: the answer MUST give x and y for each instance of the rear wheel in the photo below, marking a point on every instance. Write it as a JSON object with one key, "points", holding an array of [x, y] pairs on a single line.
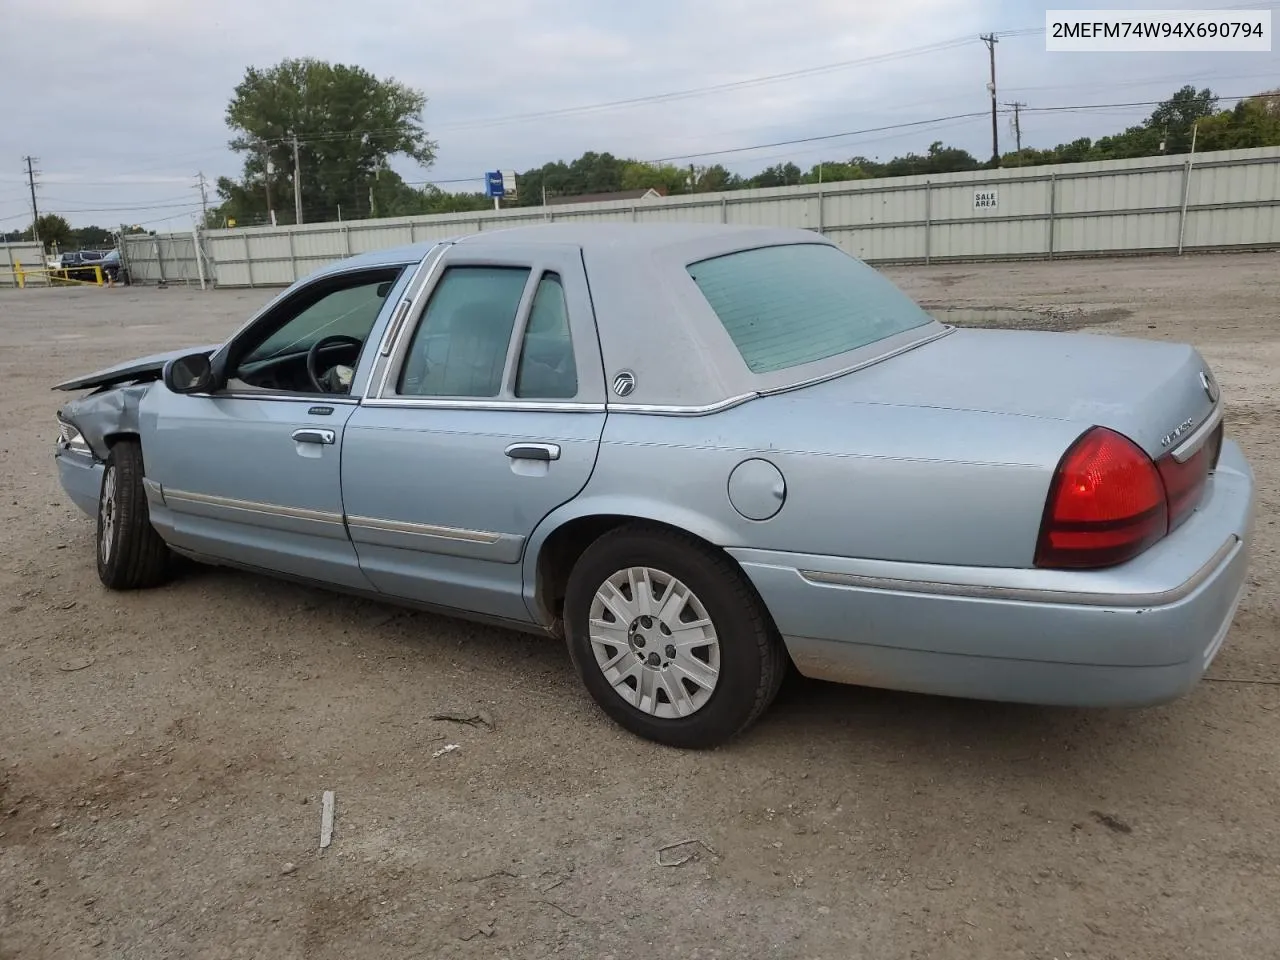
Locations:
{"points": [[669, 637], [131, 554]]}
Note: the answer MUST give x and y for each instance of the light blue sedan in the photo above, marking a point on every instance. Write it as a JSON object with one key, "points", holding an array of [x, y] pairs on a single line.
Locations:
{"points": [[701, 455]]}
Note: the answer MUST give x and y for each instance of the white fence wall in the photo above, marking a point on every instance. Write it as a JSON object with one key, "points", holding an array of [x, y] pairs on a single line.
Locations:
{"points": [[1083, 209], [30, 255], [164, 258]]}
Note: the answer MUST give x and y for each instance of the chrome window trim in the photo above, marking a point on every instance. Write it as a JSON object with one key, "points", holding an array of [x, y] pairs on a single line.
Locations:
{"points": [[464, 403], [1189, 447], [312, 399], [393, 327], [974, 591], [252, 506], [673, 410], [946, 330], [424, 530]]}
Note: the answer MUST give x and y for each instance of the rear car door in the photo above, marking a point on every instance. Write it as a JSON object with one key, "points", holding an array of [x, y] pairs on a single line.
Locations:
{"points": [[250, 473], [485, 416]]}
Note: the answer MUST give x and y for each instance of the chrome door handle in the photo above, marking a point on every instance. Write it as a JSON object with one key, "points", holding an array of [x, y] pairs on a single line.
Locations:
{"points": [[314, 435], [534, 451]]}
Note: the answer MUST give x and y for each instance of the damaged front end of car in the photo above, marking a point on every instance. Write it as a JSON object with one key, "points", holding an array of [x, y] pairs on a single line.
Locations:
{"points": [[91, 423], [87, 426]]}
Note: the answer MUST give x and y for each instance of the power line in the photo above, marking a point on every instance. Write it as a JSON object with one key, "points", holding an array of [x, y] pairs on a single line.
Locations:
{"points": [[747, 82], [936, 47], [56, 200], [816, 139], [125, 207], [1080, 108], [921, 123]]}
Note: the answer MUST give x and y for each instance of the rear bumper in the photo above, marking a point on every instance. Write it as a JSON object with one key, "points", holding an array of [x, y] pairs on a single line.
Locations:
{"points": [[1144, 632], [81, 478]]}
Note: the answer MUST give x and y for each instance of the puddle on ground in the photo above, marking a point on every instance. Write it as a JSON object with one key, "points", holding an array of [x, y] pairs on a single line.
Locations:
{"points": [[1038, 318]]}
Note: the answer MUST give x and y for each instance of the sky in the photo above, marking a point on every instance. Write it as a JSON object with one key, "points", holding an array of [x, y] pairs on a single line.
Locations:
{"points": [[124, 103]]}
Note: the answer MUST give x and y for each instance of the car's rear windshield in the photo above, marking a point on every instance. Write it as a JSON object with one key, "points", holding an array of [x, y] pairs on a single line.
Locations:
{"points": [[792, 304]]}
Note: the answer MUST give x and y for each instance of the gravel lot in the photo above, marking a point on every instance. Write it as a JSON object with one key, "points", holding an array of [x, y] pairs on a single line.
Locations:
{"points": [[163, 754]]}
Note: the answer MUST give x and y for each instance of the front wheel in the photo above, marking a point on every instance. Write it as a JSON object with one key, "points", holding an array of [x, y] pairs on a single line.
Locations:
{"points": [[131, 554], [669, 638]]}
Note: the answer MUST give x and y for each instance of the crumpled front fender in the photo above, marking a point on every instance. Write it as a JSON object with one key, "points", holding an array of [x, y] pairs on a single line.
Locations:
{"points": [[100, 416]]}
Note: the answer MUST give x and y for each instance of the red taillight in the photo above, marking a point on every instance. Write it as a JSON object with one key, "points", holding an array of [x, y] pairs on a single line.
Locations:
{"points": [[1106, 504], [1184, 482], [1108, 501]]}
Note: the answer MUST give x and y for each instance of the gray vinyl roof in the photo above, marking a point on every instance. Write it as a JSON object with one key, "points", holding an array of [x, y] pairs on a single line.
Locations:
{"points": [[632, 236], [652, 319]]}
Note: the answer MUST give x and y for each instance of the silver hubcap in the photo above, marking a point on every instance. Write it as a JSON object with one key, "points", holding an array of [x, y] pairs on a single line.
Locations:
{"points": [[107, 513], [654, 642]]}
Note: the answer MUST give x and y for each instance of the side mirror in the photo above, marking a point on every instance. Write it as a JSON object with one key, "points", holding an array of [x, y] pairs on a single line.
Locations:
{"points": [[190, 374]]}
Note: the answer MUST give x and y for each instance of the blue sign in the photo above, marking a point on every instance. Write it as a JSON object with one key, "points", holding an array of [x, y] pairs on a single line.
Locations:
{"points": [[493, 186]]}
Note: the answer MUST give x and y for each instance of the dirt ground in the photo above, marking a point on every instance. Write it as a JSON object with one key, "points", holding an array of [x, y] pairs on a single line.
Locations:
{"points": [[163, 754]]}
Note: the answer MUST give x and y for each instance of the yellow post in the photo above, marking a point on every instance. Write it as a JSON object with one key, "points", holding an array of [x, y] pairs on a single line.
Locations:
{"points": [[22, 277], [97, 272]]}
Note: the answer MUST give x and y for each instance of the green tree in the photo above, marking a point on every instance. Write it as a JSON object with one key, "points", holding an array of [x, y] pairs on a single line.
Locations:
{"points": [[93, 238], [1174, 117], [590, 173], [779, 175], [834, 171], [643, 176], [348, 125], [1253, 122], [53, 230], [716, 178]]}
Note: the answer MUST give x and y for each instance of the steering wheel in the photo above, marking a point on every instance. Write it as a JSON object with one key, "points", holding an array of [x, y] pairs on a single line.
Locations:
{"points": [[314, 353]]}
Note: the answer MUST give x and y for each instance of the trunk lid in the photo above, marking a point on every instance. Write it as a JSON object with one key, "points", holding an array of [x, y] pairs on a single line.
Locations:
{"points": [[1155, 393]]}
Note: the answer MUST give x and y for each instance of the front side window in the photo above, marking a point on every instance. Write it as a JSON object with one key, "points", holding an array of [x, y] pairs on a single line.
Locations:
{"points": [[787, 305], [350, 311], [460, 347], [547, 370]]}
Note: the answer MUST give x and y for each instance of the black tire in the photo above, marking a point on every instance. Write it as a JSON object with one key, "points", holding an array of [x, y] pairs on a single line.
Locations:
{"points": [[753, 660], [133, 556]]}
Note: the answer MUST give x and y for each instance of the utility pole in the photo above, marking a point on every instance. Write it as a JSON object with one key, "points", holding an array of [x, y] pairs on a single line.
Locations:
{"points": [[270, 169], [204, 202], [1017, 121], [35, 211], [297, 183], [991, 40]]}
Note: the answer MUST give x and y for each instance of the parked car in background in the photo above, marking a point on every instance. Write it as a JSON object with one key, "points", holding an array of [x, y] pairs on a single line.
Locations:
{"points": [[697, 454], [79, 264], [114, 268]]}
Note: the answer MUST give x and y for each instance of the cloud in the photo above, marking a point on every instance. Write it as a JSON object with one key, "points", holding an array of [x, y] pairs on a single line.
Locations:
{"points": [[136, 103]]}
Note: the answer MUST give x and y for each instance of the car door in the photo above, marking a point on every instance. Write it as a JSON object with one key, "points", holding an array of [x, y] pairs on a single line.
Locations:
{"points": [[484, 417], [250, 472]]}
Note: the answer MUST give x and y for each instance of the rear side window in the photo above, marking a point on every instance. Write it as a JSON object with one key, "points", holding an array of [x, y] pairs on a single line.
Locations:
{"points": [[547, 370], [788, 305]]}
